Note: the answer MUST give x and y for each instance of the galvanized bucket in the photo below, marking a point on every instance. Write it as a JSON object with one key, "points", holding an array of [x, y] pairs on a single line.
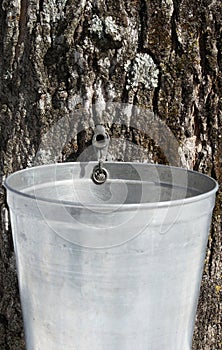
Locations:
{"points": [[111, 266]]}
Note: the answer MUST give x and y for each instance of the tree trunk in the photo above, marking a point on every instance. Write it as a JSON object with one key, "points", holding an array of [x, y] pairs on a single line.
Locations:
{"points": [[57, 57]]}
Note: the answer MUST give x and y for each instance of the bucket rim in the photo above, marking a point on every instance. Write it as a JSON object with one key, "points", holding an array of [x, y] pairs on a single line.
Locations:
{"points": [[128, 206]]}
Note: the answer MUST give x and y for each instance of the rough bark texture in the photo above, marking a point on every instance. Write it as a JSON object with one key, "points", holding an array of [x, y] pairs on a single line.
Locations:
{"points": [[163, 56]]}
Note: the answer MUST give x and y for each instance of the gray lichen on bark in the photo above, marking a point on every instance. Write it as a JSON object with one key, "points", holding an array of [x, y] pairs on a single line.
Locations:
{"points": [[57, 57]]}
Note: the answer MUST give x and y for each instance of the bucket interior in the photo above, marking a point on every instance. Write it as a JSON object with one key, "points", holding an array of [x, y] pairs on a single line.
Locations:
{"points": [[127, 183]]}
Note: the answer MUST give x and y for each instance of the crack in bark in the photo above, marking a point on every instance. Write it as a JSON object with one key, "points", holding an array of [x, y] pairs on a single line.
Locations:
{"points": [[41, 5], [176, 45], [144, 24], [156, 92], [22, 27]]}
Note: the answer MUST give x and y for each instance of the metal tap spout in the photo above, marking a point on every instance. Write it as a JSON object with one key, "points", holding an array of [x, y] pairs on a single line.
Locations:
{"points": [[100, 142]]}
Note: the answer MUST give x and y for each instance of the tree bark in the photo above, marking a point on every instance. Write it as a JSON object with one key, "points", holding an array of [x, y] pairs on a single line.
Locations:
{"points": [[162, 56]]}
